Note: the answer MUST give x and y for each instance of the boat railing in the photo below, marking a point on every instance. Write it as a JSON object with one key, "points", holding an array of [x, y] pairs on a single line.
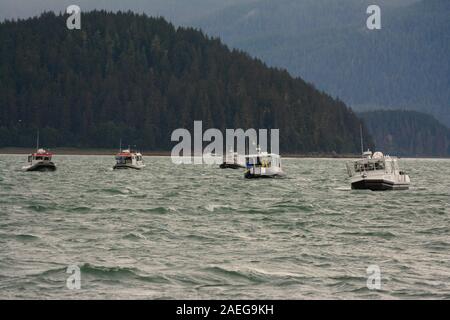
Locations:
{"points": [[256, 170], [350, 170]]}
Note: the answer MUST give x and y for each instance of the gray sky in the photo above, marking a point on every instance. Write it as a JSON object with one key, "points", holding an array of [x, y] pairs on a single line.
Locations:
{"points": [[178, 11]]}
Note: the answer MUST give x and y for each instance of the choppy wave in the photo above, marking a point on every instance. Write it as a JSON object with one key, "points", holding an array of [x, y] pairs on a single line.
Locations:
{"points": [[200, 232]]}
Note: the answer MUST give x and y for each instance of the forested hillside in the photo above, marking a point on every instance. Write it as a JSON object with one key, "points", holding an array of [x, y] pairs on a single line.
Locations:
{"points": [[405, 65], [131, 77], [408, 133]]}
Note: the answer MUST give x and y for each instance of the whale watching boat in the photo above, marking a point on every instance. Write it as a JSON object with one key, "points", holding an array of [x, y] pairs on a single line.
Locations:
{"points": [[377, 172], [233, 161], [41, 160], [129, 159], [263, 165]]}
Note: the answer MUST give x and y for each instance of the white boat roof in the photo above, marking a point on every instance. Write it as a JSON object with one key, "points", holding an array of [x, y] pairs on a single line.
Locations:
{"points": [[263, 154], [375, 157], [128, 152]]}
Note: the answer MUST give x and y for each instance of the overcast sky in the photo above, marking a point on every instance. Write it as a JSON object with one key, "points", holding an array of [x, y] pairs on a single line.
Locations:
{"points": [[176, 10]]}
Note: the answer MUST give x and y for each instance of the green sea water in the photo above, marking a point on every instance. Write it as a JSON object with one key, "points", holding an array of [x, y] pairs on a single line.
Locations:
{"points": [[199, 232]]}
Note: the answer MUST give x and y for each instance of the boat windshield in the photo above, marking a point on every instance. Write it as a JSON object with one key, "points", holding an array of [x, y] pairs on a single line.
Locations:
{"points": [[369, 166], [123, 159], [39, 158], [264, 162]]}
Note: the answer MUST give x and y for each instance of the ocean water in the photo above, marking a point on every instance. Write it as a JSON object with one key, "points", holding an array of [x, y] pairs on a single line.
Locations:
{"points": [[198, 232]]}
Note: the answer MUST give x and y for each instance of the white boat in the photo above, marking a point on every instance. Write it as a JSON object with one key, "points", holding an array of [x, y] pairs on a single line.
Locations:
{"points": [[263, 165], [377, 172], [128, 159], [233, 161], [41, 160]]}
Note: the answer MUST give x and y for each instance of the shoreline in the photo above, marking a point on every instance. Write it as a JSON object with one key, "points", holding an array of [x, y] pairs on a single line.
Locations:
{"points": [[77, 151], [112, 152]]}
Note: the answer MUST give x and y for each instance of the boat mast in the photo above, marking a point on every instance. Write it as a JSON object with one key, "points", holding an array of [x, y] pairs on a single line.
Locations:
{"points": [[362, 147], [120, 145], [362, 142], [37, 140]]}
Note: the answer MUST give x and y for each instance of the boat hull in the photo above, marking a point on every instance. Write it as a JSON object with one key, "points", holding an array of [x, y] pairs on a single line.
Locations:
{"points": [[378, 185], [127, 166], [249, 175], [42, 167], [258, 176], [231, 166]]}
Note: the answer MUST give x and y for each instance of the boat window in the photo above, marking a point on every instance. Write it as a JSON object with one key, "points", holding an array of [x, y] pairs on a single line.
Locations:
{"points": [[388, 167], [369, 166], [265, 163], [122, 160], [379, 165], [254, 161], [359, 167], [396, 167], [30, 158], [38, 158]]}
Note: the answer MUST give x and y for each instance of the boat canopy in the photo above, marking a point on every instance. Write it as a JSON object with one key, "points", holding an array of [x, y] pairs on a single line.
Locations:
{"points": [[369, 165], [124, 154], [378, 162], [46, 154], [127, 156], [40, 155], [265, 160]]}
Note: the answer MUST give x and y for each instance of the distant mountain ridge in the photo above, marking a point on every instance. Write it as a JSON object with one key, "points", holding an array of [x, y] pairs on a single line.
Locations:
{"points": [[404, 65], [131, 77], [407, 133]]}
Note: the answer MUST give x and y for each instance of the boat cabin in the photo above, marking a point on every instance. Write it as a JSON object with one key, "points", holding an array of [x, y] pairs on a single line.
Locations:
{"points": [[128, 157], [40, 155], [376, 163], [263, 160], [377, 172]]}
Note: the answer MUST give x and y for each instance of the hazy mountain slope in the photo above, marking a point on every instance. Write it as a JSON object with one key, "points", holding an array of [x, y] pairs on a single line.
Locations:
{"points": [[138, 78], [407, 133], [404, 65]]}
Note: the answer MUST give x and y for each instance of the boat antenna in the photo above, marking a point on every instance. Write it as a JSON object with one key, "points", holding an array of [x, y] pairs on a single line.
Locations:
{"points": [[37, 140], [362, 141], [120, 145]]}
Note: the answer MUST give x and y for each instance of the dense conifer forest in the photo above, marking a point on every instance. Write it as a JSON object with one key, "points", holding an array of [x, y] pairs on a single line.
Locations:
{"points": [[408, 133], [131, 77]]}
